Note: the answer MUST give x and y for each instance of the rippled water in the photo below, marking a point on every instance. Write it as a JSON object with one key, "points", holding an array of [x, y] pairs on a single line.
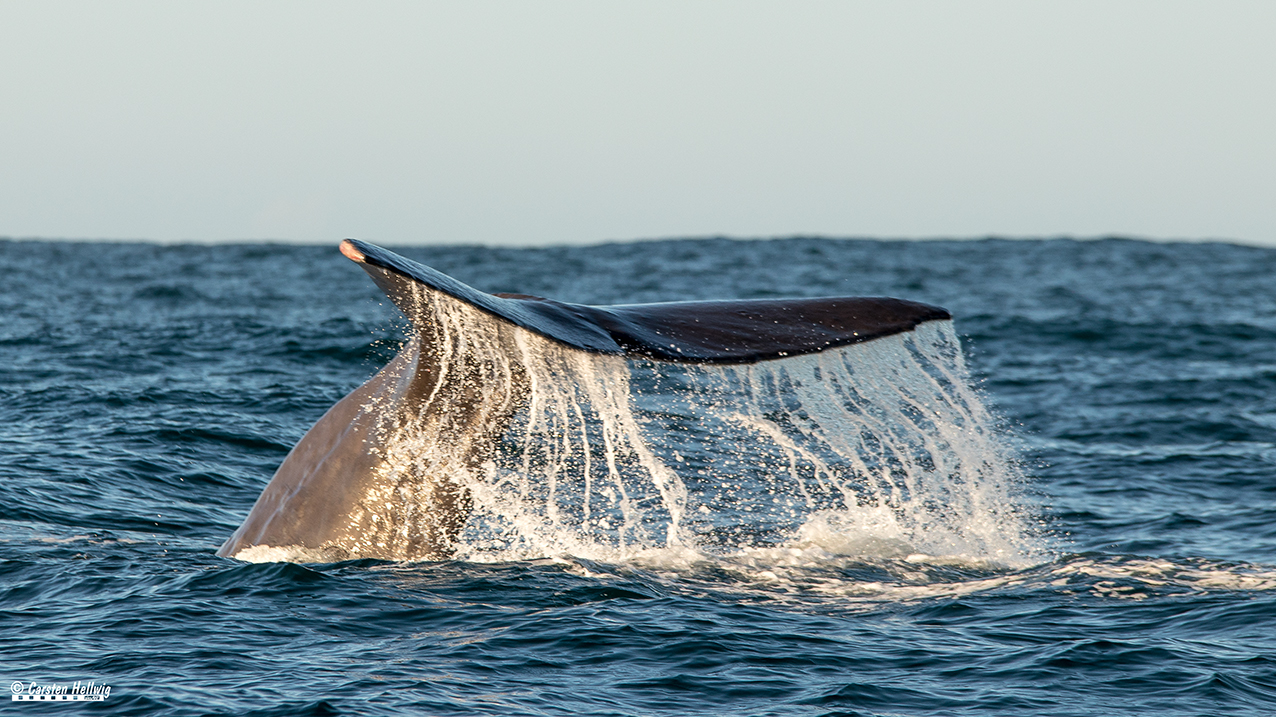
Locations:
{"points": [[148, 392]]}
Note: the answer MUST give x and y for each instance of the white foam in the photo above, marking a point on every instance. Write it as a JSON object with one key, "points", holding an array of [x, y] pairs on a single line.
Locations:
{"points": [[281, 554], [1131, 577]]}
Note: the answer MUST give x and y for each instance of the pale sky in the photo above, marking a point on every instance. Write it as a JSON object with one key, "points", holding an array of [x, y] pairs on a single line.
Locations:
{"points": [[546, 122]]}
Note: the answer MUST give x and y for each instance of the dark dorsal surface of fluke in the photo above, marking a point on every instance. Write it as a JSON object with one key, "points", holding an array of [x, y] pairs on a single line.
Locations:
{"points": [[721, 332], [362, 483]]}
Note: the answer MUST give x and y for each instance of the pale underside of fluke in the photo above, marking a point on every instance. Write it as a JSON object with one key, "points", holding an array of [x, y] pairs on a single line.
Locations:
{"points": [[342, 493]]}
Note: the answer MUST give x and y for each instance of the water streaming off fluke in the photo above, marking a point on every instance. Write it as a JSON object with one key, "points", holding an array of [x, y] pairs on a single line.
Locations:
{"points": [[880, 449], [491, 437]]}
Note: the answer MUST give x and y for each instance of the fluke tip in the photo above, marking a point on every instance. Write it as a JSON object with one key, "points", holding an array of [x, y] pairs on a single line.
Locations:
{"points": [[352, 253]]}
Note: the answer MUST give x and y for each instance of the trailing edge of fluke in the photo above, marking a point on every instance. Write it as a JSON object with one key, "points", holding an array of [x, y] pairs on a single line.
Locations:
{"points": [[716, 332]]}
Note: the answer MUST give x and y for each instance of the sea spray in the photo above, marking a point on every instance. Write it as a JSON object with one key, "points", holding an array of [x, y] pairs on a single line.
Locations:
{"points": [[883, 443], [573, 473], [879, 448]]}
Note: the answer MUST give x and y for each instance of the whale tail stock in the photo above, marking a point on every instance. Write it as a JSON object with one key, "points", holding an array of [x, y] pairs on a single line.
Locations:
{"points": [[357, 486]]}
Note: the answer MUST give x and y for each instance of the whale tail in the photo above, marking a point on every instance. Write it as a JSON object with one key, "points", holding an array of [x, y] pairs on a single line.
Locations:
{"points": [[386, 472]]}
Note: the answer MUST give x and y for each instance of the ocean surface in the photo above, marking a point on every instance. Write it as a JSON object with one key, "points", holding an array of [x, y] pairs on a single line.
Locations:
{"points": [[148, 393]]}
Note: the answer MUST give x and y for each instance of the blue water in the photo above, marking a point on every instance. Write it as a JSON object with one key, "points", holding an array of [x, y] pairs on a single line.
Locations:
{"points": [[147, 393]]}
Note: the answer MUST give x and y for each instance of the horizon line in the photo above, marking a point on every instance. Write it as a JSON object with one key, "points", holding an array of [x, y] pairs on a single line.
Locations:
{"points": [[1115, 236]]}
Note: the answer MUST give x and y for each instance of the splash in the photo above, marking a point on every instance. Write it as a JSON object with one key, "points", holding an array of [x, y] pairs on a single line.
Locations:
{"points": [[880, 449], [876, 449], [573, 474], [524, 448]]}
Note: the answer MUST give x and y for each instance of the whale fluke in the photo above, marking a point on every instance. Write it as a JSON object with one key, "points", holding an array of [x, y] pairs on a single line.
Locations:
{"points": [[741, 331], [349, 490]]}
